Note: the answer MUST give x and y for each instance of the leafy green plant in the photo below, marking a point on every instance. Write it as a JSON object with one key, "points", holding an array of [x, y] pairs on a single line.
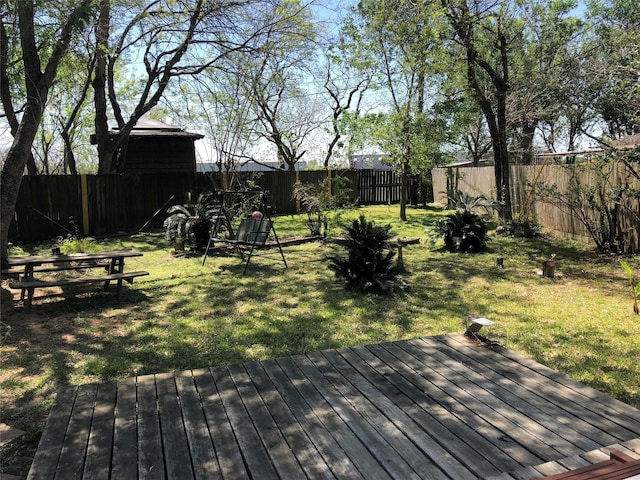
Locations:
{"points": [[316, 201], [368, 266], [79, 245], [466, 229], [635, 286], [463, 202], [597, 193], [521, 227], [191, 222], [75, 242], [462, 231]]}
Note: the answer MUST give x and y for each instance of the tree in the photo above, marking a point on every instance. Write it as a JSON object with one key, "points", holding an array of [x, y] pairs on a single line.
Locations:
{"points": [[545, 77], [347, 77], [286, 116], [401, 37], [617, 46], [37, 82], [484, 32], [273, 80], [172, 41], [166, 30]]}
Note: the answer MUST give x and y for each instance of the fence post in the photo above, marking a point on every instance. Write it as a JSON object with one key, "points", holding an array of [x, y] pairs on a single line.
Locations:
{"points": [[297, 197]]}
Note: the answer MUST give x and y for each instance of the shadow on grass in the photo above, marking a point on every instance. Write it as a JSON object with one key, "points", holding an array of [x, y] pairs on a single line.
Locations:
{"points": [[196, 316]]}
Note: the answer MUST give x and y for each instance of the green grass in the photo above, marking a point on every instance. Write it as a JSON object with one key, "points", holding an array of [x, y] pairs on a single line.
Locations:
{"points": [[185, 315]]}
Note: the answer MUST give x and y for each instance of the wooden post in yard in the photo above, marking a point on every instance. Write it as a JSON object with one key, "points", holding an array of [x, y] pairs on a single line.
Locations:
{"points": [[297, 198]]}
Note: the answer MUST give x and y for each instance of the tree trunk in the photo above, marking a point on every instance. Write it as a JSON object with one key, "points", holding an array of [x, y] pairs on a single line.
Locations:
{"points": [[32, 168], [526, 142], [105, 153], [69, 158], [462, 22], [13, 170], [38, 83], [404, 187], [503, 185]]}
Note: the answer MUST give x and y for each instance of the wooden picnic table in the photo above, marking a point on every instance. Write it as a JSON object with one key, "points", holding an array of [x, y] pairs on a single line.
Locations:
{"points": [[27, 267]]}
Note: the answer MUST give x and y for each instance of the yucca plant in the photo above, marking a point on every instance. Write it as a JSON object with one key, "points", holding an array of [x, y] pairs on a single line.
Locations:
{"points": [[368, 266], [464, 230], [463, 202]]}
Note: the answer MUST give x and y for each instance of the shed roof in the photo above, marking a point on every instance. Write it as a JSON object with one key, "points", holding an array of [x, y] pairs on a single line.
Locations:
{"points": [[148, 127]]}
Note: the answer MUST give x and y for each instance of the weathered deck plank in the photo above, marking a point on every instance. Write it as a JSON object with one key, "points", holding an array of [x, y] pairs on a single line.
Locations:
{"points": [[172, 428], [227, 451], [150, 454], [542, 441], [335, 457], [99, 449], [611, 416], [563, 465], [300, 444], [357, 453], [203, 456], [540, 408], [73, 453], [124, 462], [464, 445], [254, 454], [438, 408]]}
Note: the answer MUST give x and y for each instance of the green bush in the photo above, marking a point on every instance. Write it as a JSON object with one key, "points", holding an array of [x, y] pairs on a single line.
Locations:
{"points": [[368, 266], [191, 222], [316, 201], [466, 229], [462, 231], [75, 242], [79, 245], [521, 228]]}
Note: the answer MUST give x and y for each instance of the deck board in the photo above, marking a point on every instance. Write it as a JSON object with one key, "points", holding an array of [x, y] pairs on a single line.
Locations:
{"points": [[150, 454], [124, 461], [101, 437], [434, 407], [527, 400], [611, 416]]}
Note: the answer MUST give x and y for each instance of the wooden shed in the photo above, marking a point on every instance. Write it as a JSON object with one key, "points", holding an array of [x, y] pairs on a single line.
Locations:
{"points": [[155, 147]]}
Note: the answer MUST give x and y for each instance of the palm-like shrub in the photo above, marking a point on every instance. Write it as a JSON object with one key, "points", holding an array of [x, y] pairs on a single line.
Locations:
{"points": [[368, 266], [463, 231]]}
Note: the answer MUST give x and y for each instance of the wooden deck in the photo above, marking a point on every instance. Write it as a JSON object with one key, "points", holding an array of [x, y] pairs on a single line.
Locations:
{"points": [[435, 407]]}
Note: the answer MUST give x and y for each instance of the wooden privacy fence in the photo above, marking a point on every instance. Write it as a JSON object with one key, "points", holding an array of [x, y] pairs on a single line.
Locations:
{"points": [[481, 181], [108, 204]]}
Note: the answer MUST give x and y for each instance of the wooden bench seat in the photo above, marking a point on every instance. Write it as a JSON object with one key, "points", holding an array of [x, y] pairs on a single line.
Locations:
{"points": [[17, 271], [30, 285]]}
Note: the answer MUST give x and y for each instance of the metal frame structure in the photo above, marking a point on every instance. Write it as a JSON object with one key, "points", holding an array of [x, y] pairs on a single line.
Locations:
{"points": [[252, 233]]}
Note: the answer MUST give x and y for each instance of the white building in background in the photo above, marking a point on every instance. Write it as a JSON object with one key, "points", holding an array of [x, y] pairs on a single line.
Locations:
{"points": [[248, 167], [375, 161]]}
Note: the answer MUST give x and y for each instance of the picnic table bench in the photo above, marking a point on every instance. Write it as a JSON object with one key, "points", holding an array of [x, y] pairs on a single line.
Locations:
{"points": [[25, 267]]}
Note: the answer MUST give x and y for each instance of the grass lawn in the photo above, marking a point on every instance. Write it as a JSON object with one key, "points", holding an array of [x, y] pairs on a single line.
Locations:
{"points": [[185, 315]]}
